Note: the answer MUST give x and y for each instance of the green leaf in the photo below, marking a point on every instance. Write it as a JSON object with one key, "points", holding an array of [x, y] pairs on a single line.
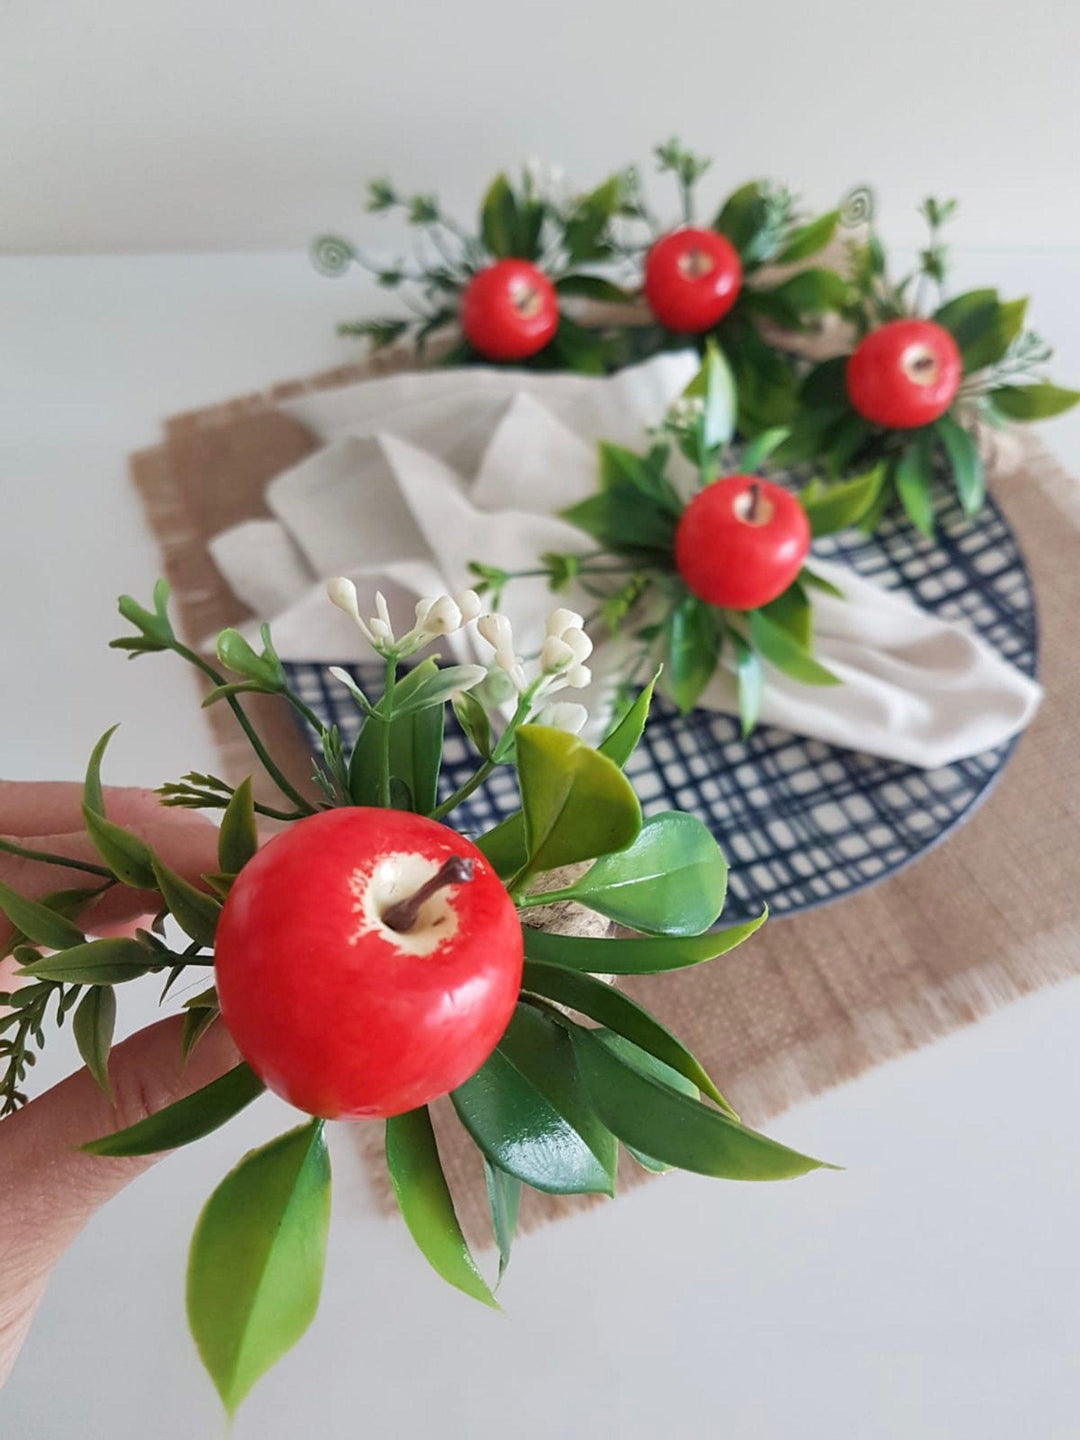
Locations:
{"points": [[1033, 402], [499, 219], [93, 1025], [185, 1120], [504, 1201], [526, 1111], [577, 803], [438, 688], [808, 239], [97, 962], [425, 1203], [790, 611], [623, 519], [778, 648], [810, 292], [671, 881], [621, 741], [473, 719], [967, 468], [992, 344], [592, 287], [825, 387], [692, 651], [659, 1121], [834, 507], [194, 910], [415, 758], [196, 1023], [257, 1256], [914, 479], [125, 854], [620, 467], [238, 838], [39, 923], [969, 319], [504, 846], [617, 1012], [750, 677], [811, 580], [648, 1064], [762, 446], [743, 216], [715, 384], [585, 230]]}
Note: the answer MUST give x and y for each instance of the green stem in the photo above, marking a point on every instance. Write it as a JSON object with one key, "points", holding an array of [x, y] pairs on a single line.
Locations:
{"points": [[9, 847], [464, 791], [305, 711], [545, 897], [286, 788], [384, 736]]}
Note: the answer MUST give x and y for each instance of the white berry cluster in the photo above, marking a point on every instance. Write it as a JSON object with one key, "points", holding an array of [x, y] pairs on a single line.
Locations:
{"points": [[563, 653]]}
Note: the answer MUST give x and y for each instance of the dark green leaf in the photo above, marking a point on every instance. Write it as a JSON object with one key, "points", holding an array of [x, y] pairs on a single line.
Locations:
{"points": [[125, 854], [750, 678], [967, 468], [424, 1200], [504, 846], [692, 650], [622, 519], [577, 803], [39, 923], [93, 1025], [185, 1120], [813, 581], [620, 467], [715, 385], [634, 957], [743, 217], [617, 1012], [659, 1121], [592, 287], [238, 839], [257, 1257], [969, 318], [196, 1023], [914, 479], [779, 649], [808, 239], [499, 219], [525, 1109], [671, 881], [825, 387], [991, 346], [97, 962], [504, 1200], [1033, 402], [194, 910], [648, 1065]]}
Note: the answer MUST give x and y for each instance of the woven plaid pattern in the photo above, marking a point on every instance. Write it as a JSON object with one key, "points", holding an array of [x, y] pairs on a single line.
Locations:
{"points": [[801, 822]]}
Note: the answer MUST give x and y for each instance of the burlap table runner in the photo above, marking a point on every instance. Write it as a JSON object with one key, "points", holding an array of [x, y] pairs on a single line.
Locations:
{"points": [[813, 1000]]}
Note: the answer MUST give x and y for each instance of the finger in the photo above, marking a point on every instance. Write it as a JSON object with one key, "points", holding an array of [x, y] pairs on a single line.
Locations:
{"points": [[48, 1187], [53, 807]]}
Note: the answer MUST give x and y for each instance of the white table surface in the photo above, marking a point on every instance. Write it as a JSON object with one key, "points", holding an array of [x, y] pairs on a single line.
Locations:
{"points": [[930, 1290]]}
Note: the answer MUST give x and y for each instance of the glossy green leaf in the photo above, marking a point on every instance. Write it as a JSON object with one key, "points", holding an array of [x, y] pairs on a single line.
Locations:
{"points": [[526, 1111], [750, 679], [424, 1200], [967, 469], [790, 612], [97, 962], [659, 1121], [671, 881], [621, 741], [649, 956], [692, 651], [808, 239], [648, 1064], [504, 846], [1033, 402], [257, 1256], [779, 649], [185, 1120], [39, 923], [93, 1025], [504, 1201], [194, 910], [577, 803], [415, 759], [914, 480], [834, 507], [617, 1012], [238, 838]]}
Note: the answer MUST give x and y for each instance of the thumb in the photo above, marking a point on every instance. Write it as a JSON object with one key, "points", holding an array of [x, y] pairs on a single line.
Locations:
{"points": [[49, 1188]]}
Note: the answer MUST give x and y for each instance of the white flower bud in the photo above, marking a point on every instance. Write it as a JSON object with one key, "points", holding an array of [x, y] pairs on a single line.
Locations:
{"points": [[561, 620], [443, 618], [564, 715], [342, 593], [497, 631], [579, 677], [382, 611], [555, 655], [520, 679], [506, 660], [423, 605], [578, 642], [381, 630], [470, 605]]}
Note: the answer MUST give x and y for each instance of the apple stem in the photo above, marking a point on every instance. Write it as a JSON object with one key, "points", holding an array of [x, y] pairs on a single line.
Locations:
{"points": [[402, 915], [755, 498]]}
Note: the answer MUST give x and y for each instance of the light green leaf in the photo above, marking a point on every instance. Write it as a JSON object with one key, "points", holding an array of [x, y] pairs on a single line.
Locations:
{"points": [[617, 1012], [93, 1025], [504, 1201], [621, 741], [97, 962], [790, 611], [194, 910], [185, 1120], [671, 881], [526, 1111], [834, 507], [577, 803], [914, 479], [238, 838], [472, 717], [425, 1203], [438, 688], [967, 468], [779, 649], [1033, 402], [808, 239], [762, 446], [257, 1256], [810, 579], [715, 384], [750, 677], [659, 1121], [39, 923]]}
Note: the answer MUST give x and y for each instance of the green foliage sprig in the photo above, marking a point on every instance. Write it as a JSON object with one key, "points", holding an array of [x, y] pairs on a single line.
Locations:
{"points": [[581, 1068]]}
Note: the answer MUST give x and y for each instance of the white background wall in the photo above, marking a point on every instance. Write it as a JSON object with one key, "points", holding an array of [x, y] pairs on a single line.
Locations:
{"points": [[929, 1292]]}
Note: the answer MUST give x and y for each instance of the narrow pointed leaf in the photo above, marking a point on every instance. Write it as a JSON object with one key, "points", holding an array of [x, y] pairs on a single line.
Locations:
{"points": [[674, 1128], [504, 845], [39, 923], [504, 1200], [693, 648], [648, 956], [834, 507], [185, 1120], [778, 648], [577, 803], [93, 1025], [649, 1065], [196, 1023], [750, 678], [194, 910], [424, 1200], [621, 742], [257, 1257], [914, 480], [97, 962], [967, 468], [1033, 402], [125, 854], [238, 838]]}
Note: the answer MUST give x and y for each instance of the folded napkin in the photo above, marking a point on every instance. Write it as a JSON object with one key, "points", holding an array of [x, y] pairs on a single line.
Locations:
{"points": [[393, 513]]}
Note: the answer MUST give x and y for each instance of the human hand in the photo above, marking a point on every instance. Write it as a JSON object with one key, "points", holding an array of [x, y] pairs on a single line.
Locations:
{"points": [[48, 1187]]}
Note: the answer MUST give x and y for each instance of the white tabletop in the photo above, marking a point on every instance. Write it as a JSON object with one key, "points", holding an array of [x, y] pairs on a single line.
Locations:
{"points": [[928, 1291]]}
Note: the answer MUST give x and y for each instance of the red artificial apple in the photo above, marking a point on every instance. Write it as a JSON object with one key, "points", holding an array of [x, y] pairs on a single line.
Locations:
{"points": [[692, 279], [741, 542], [509, 311], [904, 374], [367, 961]]}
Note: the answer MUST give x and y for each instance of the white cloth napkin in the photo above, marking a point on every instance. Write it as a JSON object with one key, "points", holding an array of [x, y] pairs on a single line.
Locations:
{"points": [[392, 509]]}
